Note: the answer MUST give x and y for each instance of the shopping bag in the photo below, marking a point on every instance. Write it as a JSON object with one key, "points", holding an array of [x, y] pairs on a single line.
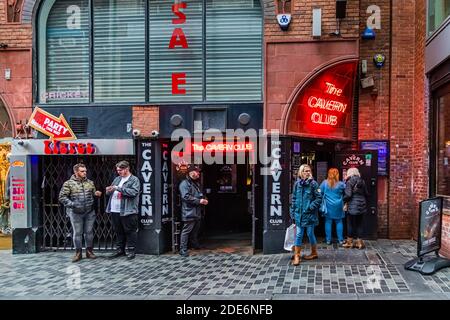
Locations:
{"points": [[289, 239]]}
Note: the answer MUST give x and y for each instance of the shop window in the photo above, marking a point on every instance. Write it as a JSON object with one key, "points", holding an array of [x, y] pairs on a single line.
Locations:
{"points": [[186, 61], [64, 51], [95, 51], [233, 50], [443, 150], [119, 51], [438, 11], [5, 124]]}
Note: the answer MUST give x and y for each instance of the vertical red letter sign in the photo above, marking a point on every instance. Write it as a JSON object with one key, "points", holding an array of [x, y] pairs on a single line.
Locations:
{"points": [[178, 39]]}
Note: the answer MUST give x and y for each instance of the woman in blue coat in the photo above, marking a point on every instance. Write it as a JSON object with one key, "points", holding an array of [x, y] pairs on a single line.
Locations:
{"points": [[333, 193], [306, 199]]}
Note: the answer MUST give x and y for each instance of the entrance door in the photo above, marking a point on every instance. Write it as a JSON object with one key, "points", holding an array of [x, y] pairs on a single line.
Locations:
{"points": [[228, 220], [367, 164]]}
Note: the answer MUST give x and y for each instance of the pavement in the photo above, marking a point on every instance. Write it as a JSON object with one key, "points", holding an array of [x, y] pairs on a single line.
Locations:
{"points": [[374, 273]]}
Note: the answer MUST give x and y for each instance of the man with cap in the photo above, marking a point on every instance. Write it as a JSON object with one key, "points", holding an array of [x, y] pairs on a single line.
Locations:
{"points": [[191, 209]]}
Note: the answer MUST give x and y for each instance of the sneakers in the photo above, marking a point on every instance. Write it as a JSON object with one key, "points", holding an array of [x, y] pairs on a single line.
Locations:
{"points": [[184, 253], [131, 254], [118, 253]]}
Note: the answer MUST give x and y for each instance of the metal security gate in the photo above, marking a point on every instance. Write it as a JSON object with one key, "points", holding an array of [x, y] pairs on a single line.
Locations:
{"points": [[55, 170]]}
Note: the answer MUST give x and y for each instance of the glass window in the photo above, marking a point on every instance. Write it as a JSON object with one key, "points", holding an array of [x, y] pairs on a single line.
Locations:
{"points": [[64, 52], [5, 124], [438, 11], [443, 149], [198, 51], [233, 50], [182, 65], [119, 50]]}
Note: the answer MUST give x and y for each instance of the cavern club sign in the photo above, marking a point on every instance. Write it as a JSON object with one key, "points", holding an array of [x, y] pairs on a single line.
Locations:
{"points": [[323, 107]]}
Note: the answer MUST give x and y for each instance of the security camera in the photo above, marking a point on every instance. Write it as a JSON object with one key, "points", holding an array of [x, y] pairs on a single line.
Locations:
{"points": [[155, 134], [136, 132]]}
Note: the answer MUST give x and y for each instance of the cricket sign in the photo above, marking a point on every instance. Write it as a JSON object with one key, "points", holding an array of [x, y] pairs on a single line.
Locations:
{"points": [[56, 128]]}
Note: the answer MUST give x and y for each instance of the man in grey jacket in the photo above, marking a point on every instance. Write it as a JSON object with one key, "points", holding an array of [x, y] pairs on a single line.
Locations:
{"points": [[191, 209], [123, 206]]}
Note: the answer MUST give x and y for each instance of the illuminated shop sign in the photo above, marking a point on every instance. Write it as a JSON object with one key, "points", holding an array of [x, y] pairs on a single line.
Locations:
{"points": [[323, 108], [57, 147], [223, 147]]}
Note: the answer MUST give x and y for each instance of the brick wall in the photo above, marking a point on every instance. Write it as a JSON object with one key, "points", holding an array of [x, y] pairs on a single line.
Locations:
{"points": [[16, 93], [401, 200], [373, 121], [445, 248], [301, 26], [420, 156], [146, 119]]}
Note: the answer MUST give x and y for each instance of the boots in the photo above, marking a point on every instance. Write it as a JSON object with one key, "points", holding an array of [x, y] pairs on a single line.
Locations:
{"points": [[348, 243], [78, 255], [297, 255], [90, 253], [359, 244], [313, 254]]}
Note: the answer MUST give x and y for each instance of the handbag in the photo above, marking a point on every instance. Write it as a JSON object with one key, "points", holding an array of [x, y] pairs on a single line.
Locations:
{"points": [[323, 206], [289, 239]]}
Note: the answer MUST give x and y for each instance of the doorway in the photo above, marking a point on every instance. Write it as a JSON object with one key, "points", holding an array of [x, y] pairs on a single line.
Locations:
{"points": [[227, 223]]}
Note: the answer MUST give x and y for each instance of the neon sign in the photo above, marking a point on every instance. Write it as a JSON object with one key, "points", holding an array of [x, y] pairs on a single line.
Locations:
{"points": [[223, 147], [324, 106], [57, 147]]}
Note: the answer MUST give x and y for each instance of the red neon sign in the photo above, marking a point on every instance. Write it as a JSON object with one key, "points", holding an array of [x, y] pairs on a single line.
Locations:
{"points": [[324, 107], [58, 147], [178, 39], [222, 147]]}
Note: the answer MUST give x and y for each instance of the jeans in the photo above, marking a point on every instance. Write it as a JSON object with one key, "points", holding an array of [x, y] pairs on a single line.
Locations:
{"points": [[354, 226], [126, 228], [301, 232], [82, 223], [329, 227], [189, 232]]}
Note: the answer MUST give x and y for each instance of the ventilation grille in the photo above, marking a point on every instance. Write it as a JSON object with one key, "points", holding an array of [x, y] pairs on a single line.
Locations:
{"points": [[79, 125]]}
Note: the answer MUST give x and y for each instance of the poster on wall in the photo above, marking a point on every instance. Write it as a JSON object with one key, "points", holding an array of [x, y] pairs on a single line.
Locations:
{"points": [[430, 226], [227, 179], [146, 165]]}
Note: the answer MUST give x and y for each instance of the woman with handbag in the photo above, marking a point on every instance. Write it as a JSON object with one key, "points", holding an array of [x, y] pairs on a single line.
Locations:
{"points": [[332, 206], [356, 196], [306, 199]]}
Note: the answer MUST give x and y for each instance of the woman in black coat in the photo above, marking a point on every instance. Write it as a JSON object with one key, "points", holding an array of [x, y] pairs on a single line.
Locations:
{"points": [[355, 198]]}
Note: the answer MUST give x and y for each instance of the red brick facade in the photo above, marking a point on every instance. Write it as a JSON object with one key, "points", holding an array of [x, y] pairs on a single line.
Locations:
{"points": [[16, 94], [397, 111]]}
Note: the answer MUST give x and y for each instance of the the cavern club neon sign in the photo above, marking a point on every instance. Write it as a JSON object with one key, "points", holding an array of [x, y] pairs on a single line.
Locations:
{"points": [[222, 147], [324, 104], [323, 107]]}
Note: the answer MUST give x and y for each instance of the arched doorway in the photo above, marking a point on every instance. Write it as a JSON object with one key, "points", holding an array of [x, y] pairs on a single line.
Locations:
{"points": [[5, 150]]}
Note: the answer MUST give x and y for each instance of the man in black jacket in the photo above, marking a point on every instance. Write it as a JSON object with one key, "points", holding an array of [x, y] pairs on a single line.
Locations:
{"points": [[191, 209]]}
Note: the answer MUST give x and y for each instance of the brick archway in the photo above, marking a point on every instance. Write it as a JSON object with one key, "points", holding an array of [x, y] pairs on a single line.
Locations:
{"points": [[4, 105]]}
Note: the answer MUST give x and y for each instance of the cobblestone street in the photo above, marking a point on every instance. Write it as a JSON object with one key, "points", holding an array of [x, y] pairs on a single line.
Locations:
{"points": [[374, 273]]}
